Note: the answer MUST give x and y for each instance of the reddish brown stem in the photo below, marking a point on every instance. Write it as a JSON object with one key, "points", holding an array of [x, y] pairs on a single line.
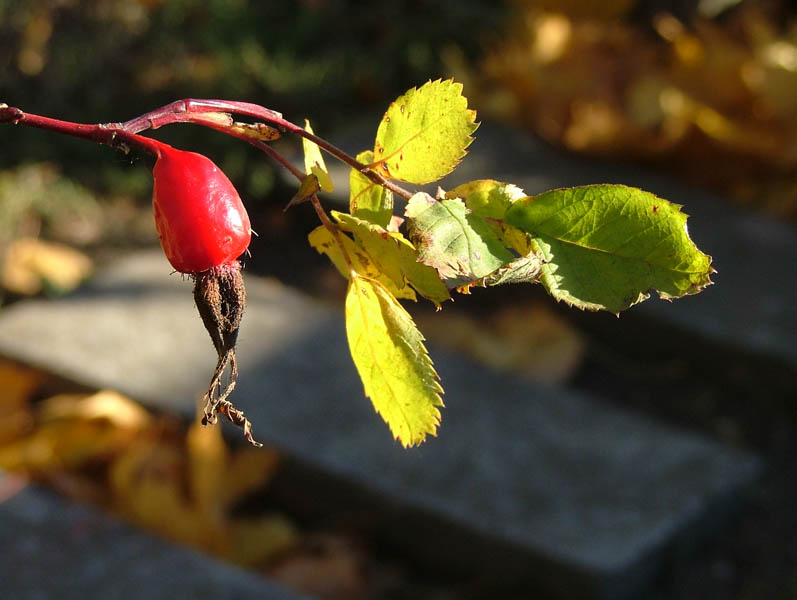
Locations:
{"points": [[101, 134], [182, 111], [189, 110]]}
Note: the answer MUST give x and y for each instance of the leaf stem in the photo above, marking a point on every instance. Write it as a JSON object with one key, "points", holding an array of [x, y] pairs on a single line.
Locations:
{"points": [[332, 228]]}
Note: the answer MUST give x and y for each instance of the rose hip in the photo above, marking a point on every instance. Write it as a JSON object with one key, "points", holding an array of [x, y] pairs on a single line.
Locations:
{"points": [[204, 228], [200, 218]]}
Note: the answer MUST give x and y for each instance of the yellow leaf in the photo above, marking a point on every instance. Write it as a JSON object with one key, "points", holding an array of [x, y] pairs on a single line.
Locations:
{"points": [[367, 200], [392, 361], [107, 405], [395, 257], [314, 161], [308, 187], [247, 470], [148, 488], [254, 542], [19, 383], [424, 133], [324, 243], [31, 265], [16, 423]]}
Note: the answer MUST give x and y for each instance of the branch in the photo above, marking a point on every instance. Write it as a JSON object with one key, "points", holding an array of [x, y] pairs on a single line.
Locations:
{"points": [[214, 114], [198, 111], [100, 134]]}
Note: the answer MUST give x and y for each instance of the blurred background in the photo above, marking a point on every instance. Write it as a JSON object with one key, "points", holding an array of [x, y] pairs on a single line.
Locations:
{"points": [[701, 91]]}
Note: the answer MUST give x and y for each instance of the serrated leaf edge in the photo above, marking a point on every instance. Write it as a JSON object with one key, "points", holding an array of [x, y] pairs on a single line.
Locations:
{"points": [[382, 162], [436, 390]]}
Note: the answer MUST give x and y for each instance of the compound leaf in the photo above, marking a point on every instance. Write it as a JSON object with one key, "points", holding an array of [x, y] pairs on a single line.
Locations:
{"points": [[607, 246], [368, 200], [459, 244], [396, 257], [424, 133], [395, 368], [325, 243]]}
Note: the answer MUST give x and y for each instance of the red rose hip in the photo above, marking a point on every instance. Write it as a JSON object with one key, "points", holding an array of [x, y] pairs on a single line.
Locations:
{"points": [[204, 228], [200, 218]]}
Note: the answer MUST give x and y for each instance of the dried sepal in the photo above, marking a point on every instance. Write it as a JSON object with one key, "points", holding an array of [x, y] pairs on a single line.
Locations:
{"points": [[220, 297]]}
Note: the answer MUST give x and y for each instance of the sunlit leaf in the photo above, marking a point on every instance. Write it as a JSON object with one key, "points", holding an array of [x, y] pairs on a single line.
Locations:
{"points": [[424, 133], [396, 257], [607, 246], [107, 405], [307, 188], [368, 200], [325, 243], [450, 238], [392, 361], [486, 197], [489, 200], [314, 161]]}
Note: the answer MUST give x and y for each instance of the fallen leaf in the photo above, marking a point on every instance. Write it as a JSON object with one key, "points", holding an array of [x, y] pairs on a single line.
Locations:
{"points": [[107, 405], [207, 462], [327, 567], [530, 340], [32, 265], [255, 542], [18, 383]]}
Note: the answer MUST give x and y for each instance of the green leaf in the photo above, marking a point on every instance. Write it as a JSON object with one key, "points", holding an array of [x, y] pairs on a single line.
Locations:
{"points": [[486, 197], [368, 200], [607, 246], [395, 257], [424, 133], [325, 243], [459, 244], [314, 161], [489, 199], [395, 368]]}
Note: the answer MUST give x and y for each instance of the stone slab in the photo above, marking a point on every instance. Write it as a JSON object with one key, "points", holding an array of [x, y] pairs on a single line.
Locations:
{"points": [[753, 305], [590, 497], [53, 548]]}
